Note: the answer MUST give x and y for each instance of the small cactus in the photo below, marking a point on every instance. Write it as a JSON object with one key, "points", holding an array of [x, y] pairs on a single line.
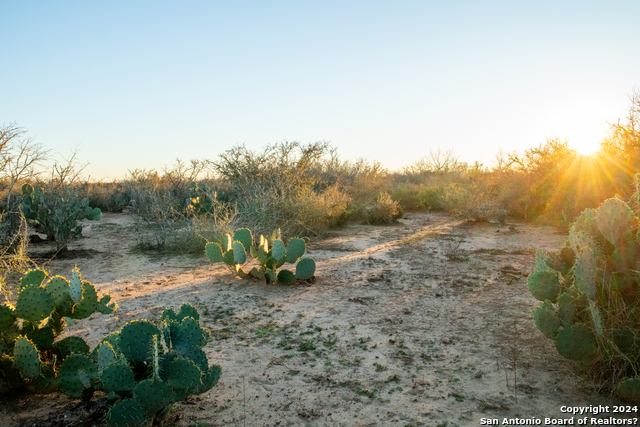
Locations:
{"points": [[233, 252]]}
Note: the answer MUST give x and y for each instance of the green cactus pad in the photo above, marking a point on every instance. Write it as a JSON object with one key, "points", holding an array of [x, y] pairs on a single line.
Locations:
{"points": [[26, 358], [114, 340], [616, 221], [585, 222], [581, 240], [94, 214], [117, 377], [7, 317], [228, 258], [243, 236], [183, 374], [186, 310], [629, 390], [577, 342], [286, 277], [75, 285], [277, 249], [585, 273], [104, 307], [547, 320], [88, 304], [34, 304], [186, 334], [239, 254], [227, 242], [127, 413], [626, 256], [104, 356], [136, 340], [41, 336], [270, 276], [257, 273], [32, 278], [59, 288], [209, 379], [214, 252], [566, 310], [567, 255], [544, 285], [153, 395], [295, 249], [70, 380], [305, 268], [67, 346], [253, 251]]}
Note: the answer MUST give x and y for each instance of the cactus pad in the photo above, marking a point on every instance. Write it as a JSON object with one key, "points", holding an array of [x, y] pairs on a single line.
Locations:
{"points": [[547, 320], [153, 395], [75, 285], [626, 256], [25, 358], [70, 378], [41, 336], [239, 254], [127, 413], [616, 221], [305, 269], [7, 317], [585, 273], [286, 277], [629, 390], [34, 304], [214, 252], [243, 236], [59, 288], [576, 342], [183, 374], [544, 285], [104, 355], [33, 278], [87, 304], [136, 340], [70, 345], [566, 310], [295, 249], [277, 249], [117, 377]]}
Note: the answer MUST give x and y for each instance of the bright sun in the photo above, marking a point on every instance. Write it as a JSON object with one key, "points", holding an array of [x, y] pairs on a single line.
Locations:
{"points": [[586, 147]]}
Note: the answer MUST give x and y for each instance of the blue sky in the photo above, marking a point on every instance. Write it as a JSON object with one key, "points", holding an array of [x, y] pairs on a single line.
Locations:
{"points": [[138, 84]]}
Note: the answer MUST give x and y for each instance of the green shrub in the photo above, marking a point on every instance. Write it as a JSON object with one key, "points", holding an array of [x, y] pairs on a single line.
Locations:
{"points": [[56, 212], [590, 294], [383, 211]]}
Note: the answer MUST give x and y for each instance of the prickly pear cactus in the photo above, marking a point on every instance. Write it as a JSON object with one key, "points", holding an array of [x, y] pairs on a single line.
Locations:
{"points": [[141, 376], [591, 293], [270, 257], [30, 356]]}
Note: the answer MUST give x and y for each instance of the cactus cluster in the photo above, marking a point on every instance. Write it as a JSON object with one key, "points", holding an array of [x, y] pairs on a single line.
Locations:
{"points": [[56, 213], [132, 367], [30, 356], [590, 293], [201, 199], [270, 257]]}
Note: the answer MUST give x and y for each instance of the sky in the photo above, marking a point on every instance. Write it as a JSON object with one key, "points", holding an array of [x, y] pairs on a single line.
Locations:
{"points": [[135, 84]]}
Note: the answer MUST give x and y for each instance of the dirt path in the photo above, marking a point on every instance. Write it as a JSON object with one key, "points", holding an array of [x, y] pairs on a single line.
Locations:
{"points": [[416, 324]]}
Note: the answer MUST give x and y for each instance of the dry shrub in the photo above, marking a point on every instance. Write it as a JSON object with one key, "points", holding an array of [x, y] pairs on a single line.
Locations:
{"points": [[383, 211]]}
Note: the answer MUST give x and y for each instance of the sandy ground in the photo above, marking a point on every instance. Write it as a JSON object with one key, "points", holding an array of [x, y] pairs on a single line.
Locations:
{"points": [[394, 331]]}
